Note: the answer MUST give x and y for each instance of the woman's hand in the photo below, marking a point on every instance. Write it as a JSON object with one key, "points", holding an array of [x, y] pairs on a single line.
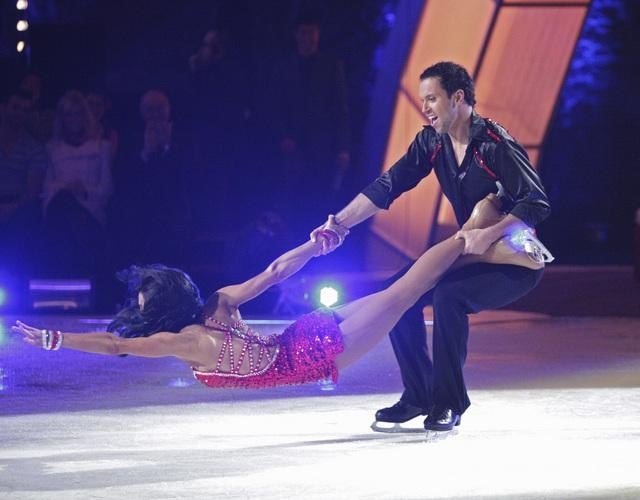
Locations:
{"points": [[30, 334], [331, 234]]}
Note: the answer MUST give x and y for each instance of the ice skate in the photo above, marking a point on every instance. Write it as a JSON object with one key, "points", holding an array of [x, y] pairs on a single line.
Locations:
{"points": [[398, 418]]}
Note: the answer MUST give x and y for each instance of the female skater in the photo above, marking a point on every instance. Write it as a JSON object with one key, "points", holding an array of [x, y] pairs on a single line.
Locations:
{"points": [[166, 317]]}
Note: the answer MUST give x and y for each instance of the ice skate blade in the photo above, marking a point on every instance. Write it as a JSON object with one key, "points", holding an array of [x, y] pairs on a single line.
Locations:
{"points": [[393, 428], [433, 436]]}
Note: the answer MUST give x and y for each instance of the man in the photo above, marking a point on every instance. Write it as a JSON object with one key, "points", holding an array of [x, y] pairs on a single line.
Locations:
{"points": [[470, 156], [311, 124], [150, 172], [220, 118]]}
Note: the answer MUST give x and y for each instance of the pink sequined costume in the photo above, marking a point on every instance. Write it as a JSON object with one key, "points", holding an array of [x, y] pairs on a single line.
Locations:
{"points": [[304, 352]]}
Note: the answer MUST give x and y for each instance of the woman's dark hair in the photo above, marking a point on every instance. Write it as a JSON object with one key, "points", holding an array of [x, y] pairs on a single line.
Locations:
{"points": [[452, 77], [171, 301]]}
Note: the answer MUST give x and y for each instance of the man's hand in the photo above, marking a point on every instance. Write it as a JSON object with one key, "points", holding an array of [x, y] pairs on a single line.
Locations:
{"points": [[331, 233], [476, 241]]}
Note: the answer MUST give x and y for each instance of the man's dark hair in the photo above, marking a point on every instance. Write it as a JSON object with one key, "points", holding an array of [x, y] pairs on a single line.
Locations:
{"points": [[452, 77]]}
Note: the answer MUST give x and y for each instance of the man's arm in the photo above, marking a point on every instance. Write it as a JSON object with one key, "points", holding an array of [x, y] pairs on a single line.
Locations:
{"points": [[358, 210], [477, 241], [404, 175], [521, 183]]}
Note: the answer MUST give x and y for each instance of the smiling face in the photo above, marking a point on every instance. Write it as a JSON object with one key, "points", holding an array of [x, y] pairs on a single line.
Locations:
{"points": [[440, 110]]}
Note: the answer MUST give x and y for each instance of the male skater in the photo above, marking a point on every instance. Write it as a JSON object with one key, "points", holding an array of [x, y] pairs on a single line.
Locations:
{"points": [[471, 157]]}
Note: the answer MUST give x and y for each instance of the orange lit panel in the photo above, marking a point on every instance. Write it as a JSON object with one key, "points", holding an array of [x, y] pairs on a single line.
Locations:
{"points": [[446, 215], [533, 153], [524, 67], [529, 2], [449, 30], [407, 223]]}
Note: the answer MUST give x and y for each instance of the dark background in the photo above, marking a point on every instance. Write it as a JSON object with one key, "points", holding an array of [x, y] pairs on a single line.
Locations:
{"points": [[590, 162]]}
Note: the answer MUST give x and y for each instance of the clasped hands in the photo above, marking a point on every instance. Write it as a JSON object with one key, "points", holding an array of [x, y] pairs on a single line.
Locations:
{"points": [[331, 235]]}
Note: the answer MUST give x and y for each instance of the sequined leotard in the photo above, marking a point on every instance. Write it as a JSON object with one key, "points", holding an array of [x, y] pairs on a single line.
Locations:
{"points": [[304, 352]]}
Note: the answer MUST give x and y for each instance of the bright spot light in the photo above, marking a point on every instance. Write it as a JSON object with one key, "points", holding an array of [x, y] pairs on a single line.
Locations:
{"points": [[328, 296], [20, 46], [22, 25], [3, 296], [22, 4]]}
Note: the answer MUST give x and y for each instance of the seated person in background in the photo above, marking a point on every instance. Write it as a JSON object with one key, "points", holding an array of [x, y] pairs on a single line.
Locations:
{"points": [[77, 187], [22, 166], [150, 183]]}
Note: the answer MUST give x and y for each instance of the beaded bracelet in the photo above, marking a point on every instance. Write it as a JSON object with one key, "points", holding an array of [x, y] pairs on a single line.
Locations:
{"points": [[51, 339]]}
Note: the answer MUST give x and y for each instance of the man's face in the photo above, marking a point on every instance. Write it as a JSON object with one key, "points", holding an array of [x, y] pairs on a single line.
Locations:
{"points": [[17, 111], [307, 39], [440, 110], [211, 48]]}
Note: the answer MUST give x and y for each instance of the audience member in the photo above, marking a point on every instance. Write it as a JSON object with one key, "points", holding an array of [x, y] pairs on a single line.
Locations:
{"points": [[41, 116], [312, 124], [22, 167], [150, 218], [77, 187], [220, 111], [99, 105]]}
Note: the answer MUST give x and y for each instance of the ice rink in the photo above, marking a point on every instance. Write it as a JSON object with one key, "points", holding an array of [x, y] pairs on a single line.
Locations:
{"points": [[555, 414]]}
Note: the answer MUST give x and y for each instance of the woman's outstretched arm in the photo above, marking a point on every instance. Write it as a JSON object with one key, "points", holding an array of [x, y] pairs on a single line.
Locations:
{"points": [[280, 269], [161, 344]]}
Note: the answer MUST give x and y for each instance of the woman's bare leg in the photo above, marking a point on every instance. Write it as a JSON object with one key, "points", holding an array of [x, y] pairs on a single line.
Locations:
{"points": [[367, 320]]}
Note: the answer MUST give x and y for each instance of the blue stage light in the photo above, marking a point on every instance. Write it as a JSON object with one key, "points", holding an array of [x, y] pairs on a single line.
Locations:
{"points": [[3, 296]]}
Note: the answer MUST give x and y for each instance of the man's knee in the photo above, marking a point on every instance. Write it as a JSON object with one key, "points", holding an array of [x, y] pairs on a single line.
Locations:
{"points": [[449, 296]]}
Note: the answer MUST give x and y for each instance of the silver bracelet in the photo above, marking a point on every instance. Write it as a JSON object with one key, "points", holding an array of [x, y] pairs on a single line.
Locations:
{"points": [[51, 339]]}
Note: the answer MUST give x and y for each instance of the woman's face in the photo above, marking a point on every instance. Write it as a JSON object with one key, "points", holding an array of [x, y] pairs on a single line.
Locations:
{"points": [[73, 120]]}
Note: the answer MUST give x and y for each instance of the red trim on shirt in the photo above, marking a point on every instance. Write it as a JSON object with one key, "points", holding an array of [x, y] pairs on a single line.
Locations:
{"points": [[435, 152], [481, 162]]}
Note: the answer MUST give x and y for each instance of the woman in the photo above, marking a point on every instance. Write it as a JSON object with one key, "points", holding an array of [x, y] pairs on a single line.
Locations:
{"points": [[223, 352], [77, 187], [79, 160]]}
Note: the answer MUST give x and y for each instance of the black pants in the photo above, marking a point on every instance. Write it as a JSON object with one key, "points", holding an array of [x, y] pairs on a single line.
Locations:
{"points": [[467, 290]]}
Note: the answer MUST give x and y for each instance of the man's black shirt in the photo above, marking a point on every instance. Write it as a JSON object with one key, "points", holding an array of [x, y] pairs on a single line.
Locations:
{"points": [[492, 155]]}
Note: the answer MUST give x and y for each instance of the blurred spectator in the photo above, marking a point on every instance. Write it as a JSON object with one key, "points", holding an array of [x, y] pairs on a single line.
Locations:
{"points": [[220, 111], [150, 215], [41, 117], [77, 187], [22, 167], [312, 123], [99, 106]]}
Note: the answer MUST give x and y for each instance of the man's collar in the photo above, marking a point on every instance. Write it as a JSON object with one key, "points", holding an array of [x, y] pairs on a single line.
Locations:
{"points": [[478, 127]]}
